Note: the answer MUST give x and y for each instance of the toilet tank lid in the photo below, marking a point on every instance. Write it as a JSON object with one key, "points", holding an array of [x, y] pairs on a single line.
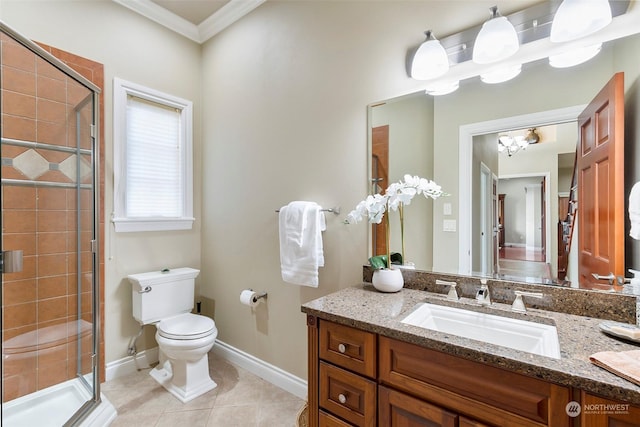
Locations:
{"points": [[162, 276]]}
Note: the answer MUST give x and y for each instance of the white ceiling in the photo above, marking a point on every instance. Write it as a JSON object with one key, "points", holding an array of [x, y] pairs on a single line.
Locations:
{"points": [[198, 20], [193, 11]]}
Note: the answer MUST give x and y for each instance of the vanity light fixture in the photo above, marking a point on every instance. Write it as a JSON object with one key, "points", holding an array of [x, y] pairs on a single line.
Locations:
{"points": [[579, 18], [501, 75], [442, 88], [575, 56], [496, 42], [497, 39], [430, 60]]}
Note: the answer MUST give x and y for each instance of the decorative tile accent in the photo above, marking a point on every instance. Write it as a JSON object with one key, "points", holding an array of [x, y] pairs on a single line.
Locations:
{"points": [[68, 168], [31, 164]]}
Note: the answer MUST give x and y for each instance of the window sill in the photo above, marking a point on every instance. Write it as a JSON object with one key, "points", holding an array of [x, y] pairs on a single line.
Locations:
{"points": [[129, 225]]}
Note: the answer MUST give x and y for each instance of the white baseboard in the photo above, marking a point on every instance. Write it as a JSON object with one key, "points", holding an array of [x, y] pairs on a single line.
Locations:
{"points": [[276, 376], [128, 365]]}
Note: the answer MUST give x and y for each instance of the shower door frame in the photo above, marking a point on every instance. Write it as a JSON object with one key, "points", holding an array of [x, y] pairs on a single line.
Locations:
{"points": [[95, 400]]}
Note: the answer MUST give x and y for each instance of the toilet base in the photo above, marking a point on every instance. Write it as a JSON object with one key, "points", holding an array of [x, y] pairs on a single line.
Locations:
{"points": [[185, 380]]}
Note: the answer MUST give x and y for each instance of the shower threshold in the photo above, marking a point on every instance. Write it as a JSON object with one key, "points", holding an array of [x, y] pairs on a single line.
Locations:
{"points": [[54, 406]]}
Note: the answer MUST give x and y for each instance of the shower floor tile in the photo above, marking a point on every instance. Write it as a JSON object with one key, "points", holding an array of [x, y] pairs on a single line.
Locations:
{"points": [[241, 399]]}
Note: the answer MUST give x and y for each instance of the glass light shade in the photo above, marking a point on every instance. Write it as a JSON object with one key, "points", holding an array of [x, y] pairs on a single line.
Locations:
{"points": [[578, 18], [574, 57], [501, 75], [497, 40], [442, 88], [430, 61]]}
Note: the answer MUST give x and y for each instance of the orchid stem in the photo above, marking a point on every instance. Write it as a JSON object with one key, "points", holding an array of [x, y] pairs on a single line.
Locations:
{"points": [[388, 233], [401, 212]]}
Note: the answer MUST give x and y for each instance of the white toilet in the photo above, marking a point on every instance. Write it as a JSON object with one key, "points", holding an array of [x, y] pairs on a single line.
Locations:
{"points": [[165, 298]]}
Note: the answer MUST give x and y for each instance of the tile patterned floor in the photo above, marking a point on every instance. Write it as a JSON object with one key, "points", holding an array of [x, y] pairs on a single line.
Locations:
{"points": [[241, 399]]}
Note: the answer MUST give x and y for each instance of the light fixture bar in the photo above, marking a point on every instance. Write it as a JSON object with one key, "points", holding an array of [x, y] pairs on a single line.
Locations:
{"points": [[531, 24]]}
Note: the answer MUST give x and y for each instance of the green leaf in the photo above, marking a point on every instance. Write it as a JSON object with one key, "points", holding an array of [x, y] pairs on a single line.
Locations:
{"points": [[378, 262]]}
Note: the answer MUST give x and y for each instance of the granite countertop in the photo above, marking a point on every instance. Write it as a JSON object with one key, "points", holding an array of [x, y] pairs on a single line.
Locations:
{"points": [[365, 308]]}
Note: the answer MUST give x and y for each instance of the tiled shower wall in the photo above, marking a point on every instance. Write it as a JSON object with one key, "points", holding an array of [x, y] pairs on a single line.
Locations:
{"points": [[41, 303]]}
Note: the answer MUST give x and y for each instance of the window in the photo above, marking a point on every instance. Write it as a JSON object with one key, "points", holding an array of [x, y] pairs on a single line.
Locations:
{"points": [[153, 166]]}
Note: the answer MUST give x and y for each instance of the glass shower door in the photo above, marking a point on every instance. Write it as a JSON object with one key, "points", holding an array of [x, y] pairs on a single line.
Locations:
{"points": [[49, 182]]}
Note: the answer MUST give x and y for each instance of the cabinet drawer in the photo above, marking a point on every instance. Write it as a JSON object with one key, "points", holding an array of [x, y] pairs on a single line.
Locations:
{"points": [[473, 389], [328, 420], [349, 348], [347, 395]]}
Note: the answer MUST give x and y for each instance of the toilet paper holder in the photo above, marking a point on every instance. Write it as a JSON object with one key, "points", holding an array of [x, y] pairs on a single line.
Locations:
{"points": [[259, 296]]}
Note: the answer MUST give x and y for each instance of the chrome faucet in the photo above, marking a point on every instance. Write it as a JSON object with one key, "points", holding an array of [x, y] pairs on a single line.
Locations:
{"points": [[453, 294], [482, 296], [518, 303]]}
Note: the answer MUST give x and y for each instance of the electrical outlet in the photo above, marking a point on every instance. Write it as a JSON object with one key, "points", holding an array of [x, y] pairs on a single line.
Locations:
{"points": [[447, 208]]}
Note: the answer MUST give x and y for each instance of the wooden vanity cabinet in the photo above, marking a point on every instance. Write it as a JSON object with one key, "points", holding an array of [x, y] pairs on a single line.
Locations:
{"points": [[357, 378], [600, 412]]}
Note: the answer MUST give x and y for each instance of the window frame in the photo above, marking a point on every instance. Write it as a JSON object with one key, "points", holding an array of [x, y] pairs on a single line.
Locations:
{"points": [[121, 90]]}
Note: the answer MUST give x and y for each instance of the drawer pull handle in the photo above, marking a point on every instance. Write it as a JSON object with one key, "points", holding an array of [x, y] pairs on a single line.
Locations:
{"points": [[342, 348], [342, 398]]}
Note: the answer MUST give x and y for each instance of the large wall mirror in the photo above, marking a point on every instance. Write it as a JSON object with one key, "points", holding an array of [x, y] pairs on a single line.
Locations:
{"points": [[506, 215]]}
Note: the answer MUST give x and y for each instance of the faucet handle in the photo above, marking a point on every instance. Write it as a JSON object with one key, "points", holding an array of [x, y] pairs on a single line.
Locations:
{"points": [[453, 294], [482, 296], [518, 303]]}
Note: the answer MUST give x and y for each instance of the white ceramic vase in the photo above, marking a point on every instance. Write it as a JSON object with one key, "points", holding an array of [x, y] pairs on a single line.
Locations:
{"points": [[387, 280]]}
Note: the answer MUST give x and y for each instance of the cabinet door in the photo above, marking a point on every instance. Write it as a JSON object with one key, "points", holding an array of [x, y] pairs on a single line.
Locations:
{"points": [[466, 422], [599, 412], [396, 409]]}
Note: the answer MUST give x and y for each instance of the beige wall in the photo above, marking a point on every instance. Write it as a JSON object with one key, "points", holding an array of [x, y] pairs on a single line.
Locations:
{"points": [[138, 50], [280, 100]]}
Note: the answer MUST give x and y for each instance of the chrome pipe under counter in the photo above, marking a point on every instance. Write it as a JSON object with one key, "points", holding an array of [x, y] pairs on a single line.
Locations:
{"points": [[363, 307]]}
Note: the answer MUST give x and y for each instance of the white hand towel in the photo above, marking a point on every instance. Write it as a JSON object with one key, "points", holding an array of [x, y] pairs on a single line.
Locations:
{"points": [[301, 252], [634, 211]]}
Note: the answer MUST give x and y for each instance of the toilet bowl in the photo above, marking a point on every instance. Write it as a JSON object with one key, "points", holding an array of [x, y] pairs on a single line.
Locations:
{"points": [[184, 342], [165, 299]]}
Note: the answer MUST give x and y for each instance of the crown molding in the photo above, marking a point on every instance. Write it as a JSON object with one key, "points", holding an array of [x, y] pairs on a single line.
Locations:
{"points": [[225, 16]]}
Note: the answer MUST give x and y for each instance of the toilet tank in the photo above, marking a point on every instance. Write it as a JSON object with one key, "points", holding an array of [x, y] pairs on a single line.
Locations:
{"points": [[160, 294]]}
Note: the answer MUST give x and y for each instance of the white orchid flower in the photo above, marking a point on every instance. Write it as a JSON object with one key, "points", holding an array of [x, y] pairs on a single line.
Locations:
{"points": [[430, 188]]}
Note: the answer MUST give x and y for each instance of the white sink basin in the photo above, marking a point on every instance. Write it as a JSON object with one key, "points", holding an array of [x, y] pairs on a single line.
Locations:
{"points": [[517, 334]]}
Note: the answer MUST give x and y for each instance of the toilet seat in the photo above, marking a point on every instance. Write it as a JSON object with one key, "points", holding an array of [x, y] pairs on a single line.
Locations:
{"points": [[186, 326]]}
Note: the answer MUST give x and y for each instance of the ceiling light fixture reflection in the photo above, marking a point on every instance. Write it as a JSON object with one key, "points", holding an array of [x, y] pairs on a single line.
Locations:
{"points": [[511, 145], [442, 88], [430, 60], [578, 18], [501, 75], [575, 56], [497, 40]]}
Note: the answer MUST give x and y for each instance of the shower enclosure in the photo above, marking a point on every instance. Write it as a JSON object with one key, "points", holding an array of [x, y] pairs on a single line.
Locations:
{"points": [[50, 229]]}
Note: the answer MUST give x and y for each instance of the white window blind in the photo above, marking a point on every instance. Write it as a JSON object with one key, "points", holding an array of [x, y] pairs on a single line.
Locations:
{"points": [[153, 177], [153, 174]]}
